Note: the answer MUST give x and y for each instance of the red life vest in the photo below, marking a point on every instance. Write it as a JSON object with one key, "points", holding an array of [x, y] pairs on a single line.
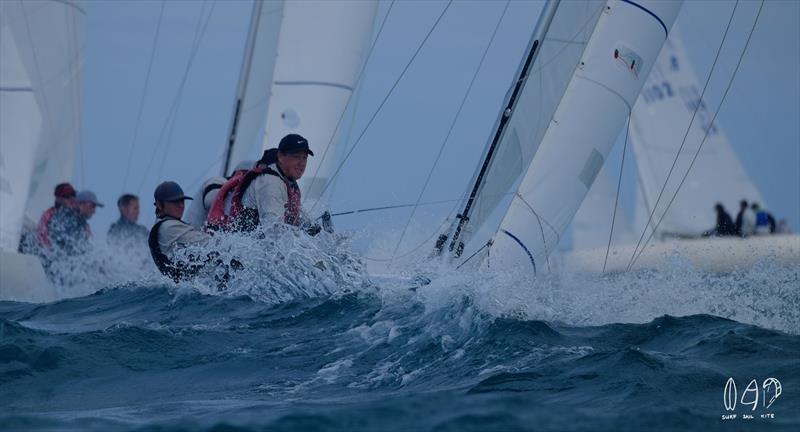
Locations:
{"points": [[244, 218], [43, 230]]}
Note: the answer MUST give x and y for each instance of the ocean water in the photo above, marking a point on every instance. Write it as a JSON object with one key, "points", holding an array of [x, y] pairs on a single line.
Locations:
{"points": [[310, 341]]}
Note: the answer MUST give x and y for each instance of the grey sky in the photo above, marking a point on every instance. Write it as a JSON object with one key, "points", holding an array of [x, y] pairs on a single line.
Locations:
{"points": [[760, 115]]}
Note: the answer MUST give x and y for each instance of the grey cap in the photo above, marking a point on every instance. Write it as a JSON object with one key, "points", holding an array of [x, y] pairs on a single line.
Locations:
{"points": [[87, 196], [245, 165]]}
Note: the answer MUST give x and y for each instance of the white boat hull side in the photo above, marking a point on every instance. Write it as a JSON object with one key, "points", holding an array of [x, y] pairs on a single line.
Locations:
{"points": [[22, 279], [713, 255]]}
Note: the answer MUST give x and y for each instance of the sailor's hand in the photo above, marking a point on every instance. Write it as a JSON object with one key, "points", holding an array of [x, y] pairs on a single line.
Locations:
{"points": [[313, 230], [327, 223]]}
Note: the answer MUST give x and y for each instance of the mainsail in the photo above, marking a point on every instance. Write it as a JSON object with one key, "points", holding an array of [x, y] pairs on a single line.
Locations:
{"points": [[669, 98], [619, 55], [41, 58]]}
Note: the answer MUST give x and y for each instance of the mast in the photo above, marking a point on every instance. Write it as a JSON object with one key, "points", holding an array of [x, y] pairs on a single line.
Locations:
{"points": [[542, 26], [244, 76]]}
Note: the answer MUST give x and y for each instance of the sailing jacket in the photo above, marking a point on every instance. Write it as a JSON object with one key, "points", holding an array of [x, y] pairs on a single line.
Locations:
{"points": [[275, 198], [166, 237], [124, 233]]}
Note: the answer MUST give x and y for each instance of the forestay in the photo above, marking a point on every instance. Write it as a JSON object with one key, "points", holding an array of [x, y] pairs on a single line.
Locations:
{"points": [[619, 55], [658, 125]]}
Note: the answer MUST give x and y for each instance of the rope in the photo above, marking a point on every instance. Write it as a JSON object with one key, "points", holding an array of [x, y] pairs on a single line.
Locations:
{"points": [[144, 93], [350, 96], [705, 136], [685, 136], [619, 186], [199, 32], [383, 102], [452, 126]]}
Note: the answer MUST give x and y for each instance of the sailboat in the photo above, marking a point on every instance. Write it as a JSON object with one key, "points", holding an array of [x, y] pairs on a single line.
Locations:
{"points": [[669, 100], [41, 61], [537, 165]]}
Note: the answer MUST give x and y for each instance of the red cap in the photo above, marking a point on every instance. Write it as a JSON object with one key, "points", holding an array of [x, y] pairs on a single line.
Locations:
{"points": [[64, 190]]}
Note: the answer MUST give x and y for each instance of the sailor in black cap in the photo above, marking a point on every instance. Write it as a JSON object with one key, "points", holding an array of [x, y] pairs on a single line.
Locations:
{"points": [[170, 233], [269, 194]]}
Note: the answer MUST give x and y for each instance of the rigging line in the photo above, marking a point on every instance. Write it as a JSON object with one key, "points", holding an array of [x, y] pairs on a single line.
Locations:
{"points": [[350, 96], [539, 220], [72, 45], [485, 245], [452, 126], [705, 136], [199, 32], [567, 43], [422, 243], [619, 186], [144, 93], [685, 136], [182, 89], [383, 102], [392, 207]]}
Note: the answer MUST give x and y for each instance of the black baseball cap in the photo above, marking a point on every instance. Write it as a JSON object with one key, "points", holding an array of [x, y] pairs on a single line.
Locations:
{"points": [[169, 191], [294, 143]]}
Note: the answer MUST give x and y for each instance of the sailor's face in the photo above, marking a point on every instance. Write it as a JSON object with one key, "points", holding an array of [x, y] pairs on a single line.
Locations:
{"points": [[293, 164], [174, 209], [87, 209], [131, 211]]}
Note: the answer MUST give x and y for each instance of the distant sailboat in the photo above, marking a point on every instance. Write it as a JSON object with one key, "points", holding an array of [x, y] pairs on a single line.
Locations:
{"points": [[658, 123], [41, 61]]}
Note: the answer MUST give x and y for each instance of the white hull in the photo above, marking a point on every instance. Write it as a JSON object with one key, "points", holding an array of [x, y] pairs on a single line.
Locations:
{"points": [[715, 255], [22, 279]]}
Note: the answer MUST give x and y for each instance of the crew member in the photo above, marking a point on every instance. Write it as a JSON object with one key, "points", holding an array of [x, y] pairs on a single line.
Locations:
{"points": [[170, 233], [65, 197], [197, 214], [765, 223], [268, 194], [125, 232], [745, 220]]}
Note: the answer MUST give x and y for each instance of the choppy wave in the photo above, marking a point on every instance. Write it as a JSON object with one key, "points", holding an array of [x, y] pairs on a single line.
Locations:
{"points": [[308, 340]]}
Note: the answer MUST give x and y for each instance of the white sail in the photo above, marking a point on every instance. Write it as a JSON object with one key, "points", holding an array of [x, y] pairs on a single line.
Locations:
{"points": [[20, 126], [600, 95], [255, 81], [591, 225], [558, 55], [320, 51], [658, 125], [42, 60]]}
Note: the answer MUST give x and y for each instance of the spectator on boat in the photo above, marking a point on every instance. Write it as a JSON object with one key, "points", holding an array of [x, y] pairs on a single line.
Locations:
{"points": [[783, 227], [745, 220], [170, 234], [64, 197], [725, 225], [69, 229], [269, 193], [197, 214], [765, 223], [126, 232]]}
